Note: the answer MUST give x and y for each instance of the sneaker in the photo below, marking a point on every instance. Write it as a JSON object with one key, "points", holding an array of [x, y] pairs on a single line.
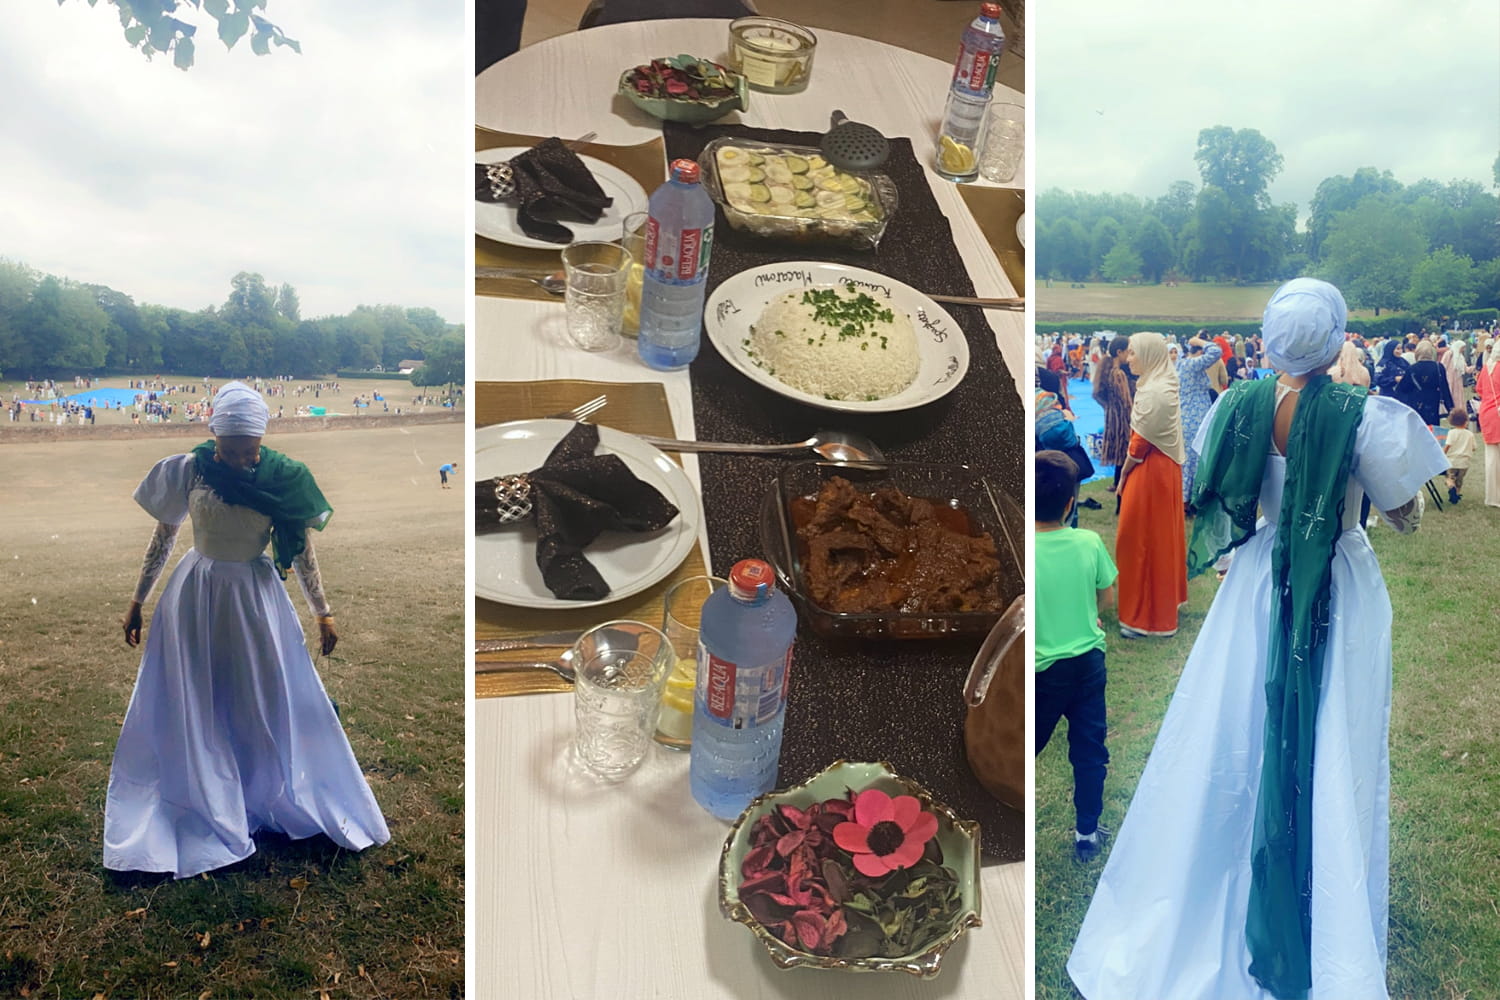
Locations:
{"points": [[1452, 495], [1085, 851], [1089, 503]]}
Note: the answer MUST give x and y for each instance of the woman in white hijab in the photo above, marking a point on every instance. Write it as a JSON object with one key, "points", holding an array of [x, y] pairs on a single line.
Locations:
{"points": [[1150, 550], [1177, 913], [229, 730]]}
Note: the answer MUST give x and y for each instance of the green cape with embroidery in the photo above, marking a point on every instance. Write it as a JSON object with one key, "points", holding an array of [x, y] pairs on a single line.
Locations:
{"points": [[1320, 451], [280, 488]]}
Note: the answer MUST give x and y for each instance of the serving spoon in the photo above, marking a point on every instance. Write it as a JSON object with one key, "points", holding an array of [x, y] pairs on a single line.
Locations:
{"points": [[554, 283], [836, 446]]}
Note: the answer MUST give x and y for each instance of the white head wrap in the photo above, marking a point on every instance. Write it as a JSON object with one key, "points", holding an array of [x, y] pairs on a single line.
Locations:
{"points": [[238, 411], [1303, 326]]}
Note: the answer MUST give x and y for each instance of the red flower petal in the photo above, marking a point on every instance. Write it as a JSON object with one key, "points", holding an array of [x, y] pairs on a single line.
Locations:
{"points": [[852, 837], [794, 816], [835, 927], [757, 861], [923, 828], [872, 806], [872, 865], [904, 810], [763, 882], [809, 928], [789, 843], [908, 854]]}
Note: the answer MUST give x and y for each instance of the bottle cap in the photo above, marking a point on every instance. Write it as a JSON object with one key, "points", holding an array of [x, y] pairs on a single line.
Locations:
{"points": [[751, 581], [990, 11], [685, 171]]}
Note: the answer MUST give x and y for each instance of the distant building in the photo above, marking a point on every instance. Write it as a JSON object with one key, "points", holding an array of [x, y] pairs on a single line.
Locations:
{"points": [[407, 367]]}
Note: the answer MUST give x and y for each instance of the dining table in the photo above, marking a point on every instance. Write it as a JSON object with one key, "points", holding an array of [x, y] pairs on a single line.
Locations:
{"points": [[585, 889]]}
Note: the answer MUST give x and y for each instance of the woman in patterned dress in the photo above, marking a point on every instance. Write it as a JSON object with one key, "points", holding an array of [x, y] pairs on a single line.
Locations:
{"points": [[1196, 393], [1112, 393]]}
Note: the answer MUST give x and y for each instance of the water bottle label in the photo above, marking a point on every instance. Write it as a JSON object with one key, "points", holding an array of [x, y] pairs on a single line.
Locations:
{"points": [[683, 261], [975, 70], [744, 698]]}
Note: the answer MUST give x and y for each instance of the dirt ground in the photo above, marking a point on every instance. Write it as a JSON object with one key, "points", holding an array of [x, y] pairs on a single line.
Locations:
{"points": [[392, 560]]}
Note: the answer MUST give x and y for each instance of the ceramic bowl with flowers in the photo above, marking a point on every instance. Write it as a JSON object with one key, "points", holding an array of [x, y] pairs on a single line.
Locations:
{"points": [[856, 868], [685, 89]]}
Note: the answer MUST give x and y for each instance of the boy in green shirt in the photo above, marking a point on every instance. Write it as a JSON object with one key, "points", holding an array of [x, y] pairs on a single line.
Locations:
{"points": [[1075, 580]]}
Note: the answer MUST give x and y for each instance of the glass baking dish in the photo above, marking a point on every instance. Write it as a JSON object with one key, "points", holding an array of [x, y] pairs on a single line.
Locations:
{"points": [[955, 486], [791, 193]]}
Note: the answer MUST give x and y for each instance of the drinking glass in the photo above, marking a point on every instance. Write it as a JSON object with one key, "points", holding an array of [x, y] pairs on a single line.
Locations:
{"points": [[684, 606], [1004, 144], [595, 297], [633, 239], [620, 669]]}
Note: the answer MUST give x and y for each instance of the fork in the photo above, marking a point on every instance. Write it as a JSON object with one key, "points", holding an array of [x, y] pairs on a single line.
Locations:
{"points": [[582, 411]]}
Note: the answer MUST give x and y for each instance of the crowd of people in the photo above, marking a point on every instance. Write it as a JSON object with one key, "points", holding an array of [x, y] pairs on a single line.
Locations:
{"points": [[1277, 447]]}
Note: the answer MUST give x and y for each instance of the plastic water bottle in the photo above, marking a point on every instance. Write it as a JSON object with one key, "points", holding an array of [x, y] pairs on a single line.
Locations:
{"points": [[744, 655], [961, 138], [679, 237]]}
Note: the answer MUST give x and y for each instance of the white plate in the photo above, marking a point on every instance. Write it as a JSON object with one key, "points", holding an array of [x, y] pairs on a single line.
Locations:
{"points": [[505, 567], [942, 350], [1021, 228], [497, 220]]}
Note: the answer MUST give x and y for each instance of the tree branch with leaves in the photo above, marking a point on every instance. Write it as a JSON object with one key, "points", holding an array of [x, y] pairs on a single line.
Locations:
{"points": [[154, 26]]}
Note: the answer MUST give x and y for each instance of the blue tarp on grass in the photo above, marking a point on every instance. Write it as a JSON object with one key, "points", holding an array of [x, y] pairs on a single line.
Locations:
{"points": [[99, 398]]}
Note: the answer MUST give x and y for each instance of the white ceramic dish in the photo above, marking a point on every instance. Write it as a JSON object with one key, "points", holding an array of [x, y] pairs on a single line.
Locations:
{"points": [[505, 567], [1021, 229], [943, 351], [497, 220]]}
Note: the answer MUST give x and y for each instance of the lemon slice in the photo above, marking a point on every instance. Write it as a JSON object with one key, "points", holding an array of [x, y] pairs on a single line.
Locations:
{"points": [[677, 701], [955, 157], [632, 319]]}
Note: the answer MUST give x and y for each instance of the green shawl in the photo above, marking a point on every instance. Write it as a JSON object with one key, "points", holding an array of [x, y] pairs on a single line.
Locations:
{"points": [[280, 488], [1320, 450]]}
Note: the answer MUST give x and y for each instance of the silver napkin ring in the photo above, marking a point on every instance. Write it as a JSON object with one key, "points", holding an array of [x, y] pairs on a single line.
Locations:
{"points": [[513, 498], [502, 180]]}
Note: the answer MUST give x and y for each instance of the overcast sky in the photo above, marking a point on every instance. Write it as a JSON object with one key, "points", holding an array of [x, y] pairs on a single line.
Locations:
{"points": [[1122, 90], [339, 171]]}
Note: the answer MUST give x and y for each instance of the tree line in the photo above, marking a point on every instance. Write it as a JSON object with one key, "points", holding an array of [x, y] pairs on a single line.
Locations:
{"points": [[54, 327], [1429, 247]]}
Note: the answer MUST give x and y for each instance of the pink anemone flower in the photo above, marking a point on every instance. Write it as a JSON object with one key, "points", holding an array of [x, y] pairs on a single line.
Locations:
{"points": [[887, 833]]}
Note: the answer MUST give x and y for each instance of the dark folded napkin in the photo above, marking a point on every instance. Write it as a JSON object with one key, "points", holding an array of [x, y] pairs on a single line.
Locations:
{"points": [[548, 182], [573, 497]]}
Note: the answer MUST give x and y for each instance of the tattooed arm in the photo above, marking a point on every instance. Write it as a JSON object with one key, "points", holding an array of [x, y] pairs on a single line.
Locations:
{"points": [[306, 567], [157, 553]]}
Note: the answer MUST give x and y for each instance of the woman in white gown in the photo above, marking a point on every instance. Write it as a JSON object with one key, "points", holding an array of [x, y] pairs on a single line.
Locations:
{"points": [[1168, 920], [229, 730]]}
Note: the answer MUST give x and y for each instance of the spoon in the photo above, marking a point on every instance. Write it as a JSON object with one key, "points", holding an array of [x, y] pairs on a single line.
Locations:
{"points": [[836, 446], [554, 283], [562, 666]]}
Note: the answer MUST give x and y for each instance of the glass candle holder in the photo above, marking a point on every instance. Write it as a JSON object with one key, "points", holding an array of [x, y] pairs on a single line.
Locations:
{"points": [[774, 56]]}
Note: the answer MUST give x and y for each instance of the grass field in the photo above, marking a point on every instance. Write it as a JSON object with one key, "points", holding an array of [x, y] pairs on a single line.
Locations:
{"points": [[1445, 798], [1206, 303], [302, 919]]}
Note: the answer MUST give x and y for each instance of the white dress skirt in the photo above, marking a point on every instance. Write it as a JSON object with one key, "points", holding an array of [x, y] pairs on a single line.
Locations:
{"points": [[1167, 920], [229, 730]]}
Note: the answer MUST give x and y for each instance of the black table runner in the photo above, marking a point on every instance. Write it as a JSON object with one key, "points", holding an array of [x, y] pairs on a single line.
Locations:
{"points": [[900, 701]]}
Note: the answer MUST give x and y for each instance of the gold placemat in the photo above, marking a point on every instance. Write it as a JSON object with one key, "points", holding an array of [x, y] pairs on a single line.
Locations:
{"points": [[634, 407], [996, 210], [647, 163]]}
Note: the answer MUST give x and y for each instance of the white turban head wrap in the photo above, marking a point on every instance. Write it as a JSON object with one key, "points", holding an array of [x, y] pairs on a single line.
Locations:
{"points": [[238, 412], [1303, 326]]}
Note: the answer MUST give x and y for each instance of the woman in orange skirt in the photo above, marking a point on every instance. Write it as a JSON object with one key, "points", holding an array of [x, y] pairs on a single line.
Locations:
{"points": [[1150, 542]]}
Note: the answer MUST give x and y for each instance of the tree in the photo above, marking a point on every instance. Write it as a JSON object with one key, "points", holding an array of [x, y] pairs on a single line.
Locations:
{"points": [[1235, 237], [1106, 233], [16, 284], [152, 26], [444, 364], [1339, 194], [1152, 245], [1442, 283], [1175, 208], [1072, 249], [1371, 250], [64, 327], [1121, 263], [1241, 164], [287, 304]]}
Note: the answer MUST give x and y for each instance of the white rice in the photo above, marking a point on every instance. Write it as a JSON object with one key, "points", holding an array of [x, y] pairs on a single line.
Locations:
{"points": [[811, 355]]}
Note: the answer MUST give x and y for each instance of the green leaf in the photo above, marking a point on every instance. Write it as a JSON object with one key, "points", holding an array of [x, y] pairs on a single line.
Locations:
{"points": [[216, 8], [232, 28], [260, 43], [294, 46], [135, 34], [182, 53]]}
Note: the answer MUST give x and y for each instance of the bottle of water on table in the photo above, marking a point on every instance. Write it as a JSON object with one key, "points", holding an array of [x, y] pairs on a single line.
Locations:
{"points": [[679, 236], [744, 656], [961, 138]]}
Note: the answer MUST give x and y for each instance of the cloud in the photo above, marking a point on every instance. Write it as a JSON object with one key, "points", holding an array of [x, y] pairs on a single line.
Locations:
{"points": [[337, 171], [1121, 96]]}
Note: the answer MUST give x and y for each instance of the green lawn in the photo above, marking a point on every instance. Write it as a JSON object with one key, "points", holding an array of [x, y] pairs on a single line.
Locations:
{"points": [[1445, 749], [1206, 303]]}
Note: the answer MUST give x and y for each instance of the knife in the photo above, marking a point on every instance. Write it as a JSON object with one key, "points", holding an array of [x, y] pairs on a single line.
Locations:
{"points": [[527, 642]]}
